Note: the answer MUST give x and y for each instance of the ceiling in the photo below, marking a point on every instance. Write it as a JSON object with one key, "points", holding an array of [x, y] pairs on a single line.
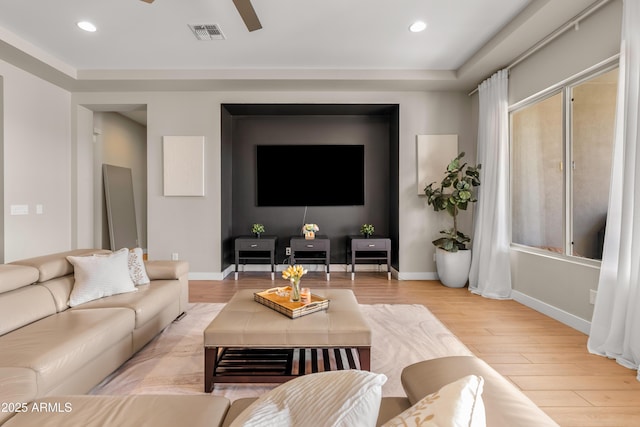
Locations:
{"points": [[353, 44]]}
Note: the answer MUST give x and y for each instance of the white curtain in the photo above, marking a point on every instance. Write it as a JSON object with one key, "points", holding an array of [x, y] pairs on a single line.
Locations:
{"points": [[615, 327], [490, 274]]}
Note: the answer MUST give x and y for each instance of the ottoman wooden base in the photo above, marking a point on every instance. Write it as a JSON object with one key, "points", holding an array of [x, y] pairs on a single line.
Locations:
{"points": [[263, 365]]}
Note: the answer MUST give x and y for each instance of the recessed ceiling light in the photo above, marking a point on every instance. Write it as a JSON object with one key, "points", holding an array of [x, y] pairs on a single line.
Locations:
{"points": [[87, 26], [417, 26]]}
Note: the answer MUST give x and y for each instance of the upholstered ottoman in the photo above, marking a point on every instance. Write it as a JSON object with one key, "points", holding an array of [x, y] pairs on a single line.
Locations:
{"points": [[246, 336]]}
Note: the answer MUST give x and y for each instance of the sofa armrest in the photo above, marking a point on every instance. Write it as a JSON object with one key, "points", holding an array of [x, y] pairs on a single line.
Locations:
{"points": [[171, 270], [504, 403], [166, 270]]}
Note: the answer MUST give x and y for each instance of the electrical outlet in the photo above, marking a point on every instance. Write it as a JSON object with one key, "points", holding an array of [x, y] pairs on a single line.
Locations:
{"points": [[592, 296], [174, 256], [287, 251]]}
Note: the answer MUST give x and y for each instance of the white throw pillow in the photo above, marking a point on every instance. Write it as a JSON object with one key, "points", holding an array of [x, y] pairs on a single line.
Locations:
{"points": [[136, 267], [339, 398], [458, 404], [98, 276]]}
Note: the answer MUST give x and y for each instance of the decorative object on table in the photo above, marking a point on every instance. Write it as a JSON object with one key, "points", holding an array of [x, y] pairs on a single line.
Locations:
{"points": [[257, 229], [310, 231], [278, 300], [293, 274], [305, 295], [453, 259], [367, 230]]}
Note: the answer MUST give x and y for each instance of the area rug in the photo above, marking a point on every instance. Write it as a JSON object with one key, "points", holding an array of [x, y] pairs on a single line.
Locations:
{"points": [[172, 363]]}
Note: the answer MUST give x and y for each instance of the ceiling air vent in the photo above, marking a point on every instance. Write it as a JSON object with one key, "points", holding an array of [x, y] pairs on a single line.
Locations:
{"points": [[207, 32]]}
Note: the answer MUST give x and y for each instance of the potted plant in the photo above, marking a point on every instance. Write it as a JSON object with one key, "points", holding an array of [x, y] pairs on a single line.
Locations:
{"points": [[455, 193], [367, 230], [257, 229], [310, 230]]}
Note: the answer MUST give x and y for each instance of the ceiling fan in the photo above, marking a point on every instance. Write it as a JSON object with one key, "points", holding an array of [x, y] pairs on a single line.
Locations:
{"points": [[246, 11]]}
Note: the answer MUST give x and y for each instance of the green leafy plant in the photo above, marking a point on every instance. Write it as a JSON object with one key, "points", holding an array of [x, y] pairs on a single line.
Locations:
{"points": [[367, 229], [455, 193], [257, 228]]}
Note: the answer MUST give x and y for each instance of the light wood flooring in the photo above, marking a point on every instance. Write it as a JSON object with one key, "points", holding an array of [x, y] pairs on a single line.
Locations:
{"points": [[546, 359]]}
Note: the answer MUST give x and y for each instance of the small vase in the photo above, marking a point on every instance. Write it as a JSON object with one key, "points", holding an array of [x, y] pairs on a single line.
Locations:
{"points": [[294, 295], [257, 235]]}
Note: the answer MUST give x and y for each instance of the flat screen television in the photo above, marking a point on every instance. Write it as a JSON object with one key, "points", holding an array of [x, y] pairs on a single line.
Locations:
{"points": [[310, 175]]}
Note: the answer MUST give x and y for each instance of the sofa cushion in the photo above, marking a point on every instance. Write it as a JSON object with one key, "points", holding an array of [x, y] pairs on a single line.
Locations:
{"points": [[60, 289], [137, 270], [504, 403], [150, 300], [456, 404], [23, 306], [56, 265], [16, 276], [337, 398], [99, 276], [389, 408], [56, 346], [124, 411]]}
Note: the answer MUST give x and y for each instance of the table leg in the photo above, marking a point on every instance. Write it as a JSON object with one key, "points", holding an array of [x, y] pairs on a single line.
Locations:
{"points": [[328, 262], [237, 262], [353, 265], [388, 264], [273, 265], [210, 356], [364, 354]]}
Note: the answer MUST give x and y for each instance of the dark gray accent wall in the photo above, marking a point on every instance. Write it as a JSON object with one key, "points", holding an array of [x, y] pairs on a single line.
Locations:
{"points": [[374, 126], [394, 185], [226, 216]]}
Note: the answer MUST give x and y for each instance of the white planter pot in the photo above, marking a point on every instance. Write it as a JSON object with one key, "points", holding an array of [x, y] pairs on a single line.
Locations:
{"points": [[453, 267]]}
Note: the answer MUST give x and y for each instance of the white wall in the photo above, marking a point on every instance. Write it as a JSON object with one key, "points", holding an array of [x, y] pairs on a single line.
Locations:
{"points": [[190, 226], [424, 114], [556, 285], [37, 156], [597, 38], [84, 232]]}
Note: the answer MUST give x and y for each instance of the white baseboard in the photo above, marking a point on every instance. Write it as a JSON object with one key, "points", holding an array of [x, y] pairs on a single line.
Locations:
{"points": [[333, 268], [562, 316], [418, 276], [194, 275]]}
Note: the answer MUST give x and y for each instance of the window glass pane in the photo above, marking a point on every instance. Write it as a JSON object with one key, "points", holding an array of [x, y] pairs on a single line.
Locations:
{"points": [[537, 176], [593, 117]]}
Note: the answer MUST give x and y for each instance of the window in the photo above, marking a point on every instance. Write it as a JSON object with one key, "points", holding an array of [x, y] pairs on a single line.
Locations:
{"points": [[561, 150]]}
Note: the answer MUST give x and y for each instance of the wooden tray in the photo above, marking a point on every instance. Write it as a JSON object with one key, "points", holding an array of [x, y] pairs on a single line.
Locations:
{"points": [[278, 300]]}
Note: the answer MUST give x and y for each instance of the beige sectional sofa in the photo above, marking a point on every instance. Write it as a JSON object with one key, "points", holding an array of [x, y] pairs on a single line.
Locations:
{"points": [[505, 405], [49, 348]]}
